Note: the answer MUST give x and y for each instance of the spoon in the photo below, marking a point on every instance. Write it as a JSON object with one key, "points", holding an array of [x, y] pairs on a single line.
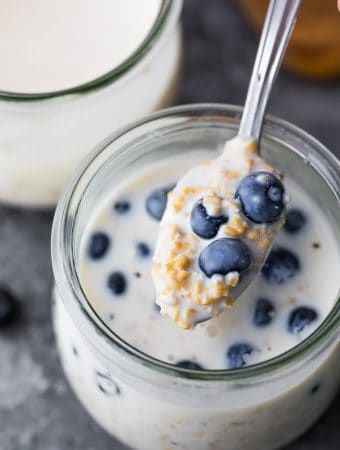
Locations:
{"points": [[221, 218], [278, 26]]}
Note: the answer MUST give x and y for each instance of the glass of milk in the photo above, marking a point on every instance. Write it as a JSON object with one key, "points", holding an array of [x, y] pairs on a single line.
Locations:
{"points": [[71, 72], [128, 383]]}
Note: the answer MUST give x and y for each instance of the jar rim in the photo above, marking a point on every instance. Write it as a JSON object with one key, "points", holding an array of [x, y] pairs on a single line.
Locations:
{"points": [[66, 275], [117, 72]]}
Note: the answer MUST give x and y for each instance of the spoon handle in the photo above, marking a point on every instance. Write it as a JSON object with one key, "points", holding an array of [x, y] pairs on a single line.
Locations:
{"points": [[279, 23]]}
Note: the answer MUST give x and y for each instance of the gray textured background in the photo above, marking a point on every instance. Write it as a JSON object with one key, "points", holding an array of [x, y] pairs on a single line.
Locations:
{"points": [[37, 409]]}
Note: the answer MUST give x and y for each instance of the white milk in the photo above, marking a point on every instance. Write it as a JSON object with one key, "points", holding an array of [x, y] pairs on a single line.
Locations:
{"points": [[42, 141], [149, 411], [48, 46], [135, 316]]}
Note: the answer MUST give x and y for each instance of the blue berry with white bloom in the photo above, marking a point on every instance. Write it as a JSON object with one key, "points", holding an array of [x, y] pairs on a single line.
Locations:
{"points": [[156, 201], [300, 318], [99, 245], [238, 354], [225, 255], [202, 224], [295, 221], [264, 312], [262, 197], [280, 266]]}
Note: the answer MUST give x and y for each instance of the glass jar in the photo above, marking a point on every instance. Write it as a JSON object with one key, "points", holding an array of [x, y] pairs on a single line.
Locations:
{"points": [[149, 404], [44, 137]]}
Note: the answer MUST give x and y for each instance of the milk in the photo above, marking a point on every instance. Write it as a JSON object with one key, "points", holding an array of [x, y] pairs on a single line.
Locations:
{"points": [[48, 46], [148, 410], [133, 315]]}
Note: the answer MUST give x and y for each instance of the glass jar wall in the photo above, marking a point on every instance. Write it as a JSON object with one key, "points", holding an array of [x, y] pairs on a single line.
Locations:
{"points": [[44, 137]]}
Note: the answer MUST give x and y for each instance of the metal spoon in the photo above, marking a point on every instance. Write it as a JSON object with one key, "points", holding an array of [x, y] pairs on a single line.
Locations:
{"points": [[196, 300], [278, 26]]}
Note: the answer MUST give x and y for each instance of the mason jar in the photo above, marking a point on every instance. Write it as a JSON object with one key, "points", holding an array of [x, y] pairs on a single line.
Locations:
{"points": [[43, 137], [149, 404]]}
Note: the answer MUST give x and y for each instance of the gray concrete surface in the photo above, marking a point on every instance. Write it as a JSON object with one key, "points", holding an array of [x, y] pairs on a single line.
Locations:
{"points": [[37, 409]]}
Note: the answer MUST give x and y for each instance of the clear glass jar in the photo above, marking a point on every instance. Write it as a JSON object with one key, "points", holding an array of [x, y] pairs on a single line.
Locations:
{"points": [[149, 404], [44, 137]]}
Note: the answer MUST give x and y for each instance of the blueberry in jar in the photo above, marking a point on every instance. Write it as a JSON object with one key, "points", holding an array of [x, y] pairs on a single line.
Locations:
{"points": [[98, 245], [280, 266], [264, 312], [315, 388], [117, 283], [295, 221], [261, 195], [188, 364], [156, 201], [156, 307], [225, 255], [202, 224], [143, 250], [300, 318], [122, 206], [238, 354], [106, 384], [8, 307]]}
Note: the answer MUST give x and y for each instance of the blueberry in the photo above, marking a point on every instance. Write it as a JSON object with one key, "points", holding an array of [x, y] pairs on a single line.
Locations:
{"points": [[156, 307], [188, 364], [315, 388], [8, 307], [264, 312], [301, 317], [261, 196], [225, 255], [280, 266], [106, 384], [122, 206], [143, 250], [238, 354], [295, 221], [156, 202], [117, 283], [99, 245], [202, 224]]}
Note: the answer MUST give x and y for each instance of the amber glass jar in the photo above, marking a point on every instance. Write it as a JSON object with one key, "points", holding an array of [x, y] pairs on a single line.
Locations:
{"points": [[314, 49]]}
